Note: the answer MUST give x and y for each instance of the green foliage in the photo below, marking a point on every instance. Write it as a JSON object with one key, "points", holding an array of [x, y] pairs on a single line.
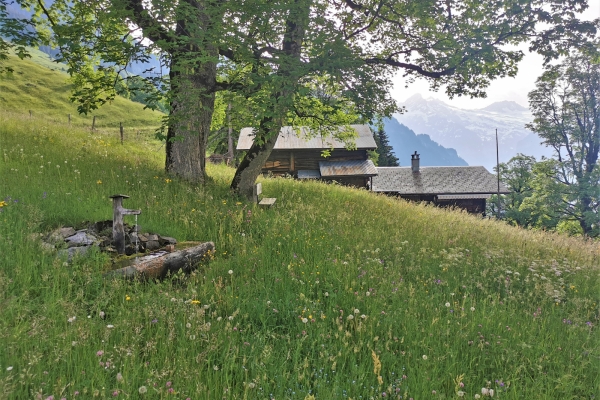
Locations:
{"points": [[566, 114], [447, 302]]}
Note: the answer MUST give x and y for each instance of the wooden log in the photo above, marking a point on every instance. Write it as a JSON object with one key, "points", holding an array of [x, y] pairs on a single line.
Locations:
{"points": [[159, 267]]}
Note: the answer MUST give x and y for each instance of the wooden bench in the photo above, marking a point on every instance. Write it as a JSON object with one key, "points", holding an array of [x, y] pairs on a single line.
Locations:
{"points": [[261, 201]]}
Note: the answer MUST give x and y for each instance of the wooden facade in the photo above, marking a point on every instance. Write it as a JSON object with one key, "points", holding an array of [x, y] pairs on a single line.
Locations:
{"points": [[289, 162], [299, 153]]}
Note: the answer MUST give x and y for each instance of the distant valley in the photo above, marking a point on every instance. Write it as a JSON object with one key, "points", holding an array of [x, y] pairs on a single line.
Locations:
{"points": [[471, 132]]}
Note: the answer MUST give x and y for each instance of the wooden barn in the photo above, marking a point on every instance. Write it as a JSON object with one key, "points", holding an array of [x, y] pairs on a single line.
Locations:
{"points": [[301, 155], [463, 187]]}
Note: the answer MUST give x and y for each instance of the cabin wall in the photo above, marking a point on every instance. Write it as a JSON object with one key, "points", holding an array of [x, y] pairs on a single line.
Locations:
{"points": [[472, 206], [283, 162]]}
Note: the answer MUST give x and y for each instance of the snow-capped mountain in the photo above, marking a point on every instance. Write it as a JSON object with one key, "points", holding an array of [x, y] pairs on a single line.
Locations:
{"points": [[473, 132]]}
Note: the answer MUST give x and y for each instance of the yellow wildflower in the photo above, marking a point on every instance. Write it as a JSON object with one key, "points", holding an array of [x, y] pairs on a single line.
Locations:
{"points": [[99, 182], [3, 203], [195, 301], [127, 298]]}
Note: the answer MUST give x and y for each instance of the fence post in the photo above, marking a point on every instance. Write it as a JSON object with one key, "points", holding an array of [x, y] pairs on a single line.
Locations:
{"points": [[69, 119], [94, 123], [121, 130]]}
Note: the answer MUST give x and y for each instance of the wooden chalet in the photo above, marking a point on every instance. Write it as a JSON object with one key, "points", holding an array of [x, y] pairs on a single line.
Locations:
{"points": [[301, 155], [463, 187]]}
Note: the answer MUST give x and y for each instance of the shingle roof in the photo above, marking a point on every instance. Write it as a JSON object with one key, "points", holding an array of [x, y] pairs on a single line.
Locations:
{"points": [[436, 180], [347, 168], [289, 139]]}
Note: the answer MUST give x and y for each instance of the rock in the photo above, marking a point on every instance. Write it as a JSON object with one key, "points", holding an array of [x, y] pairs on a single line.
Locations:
{"points": [[164, 240], [152, 245], [142, 237], [66, 232], [72, 252], [81, 238], [153, 237]]}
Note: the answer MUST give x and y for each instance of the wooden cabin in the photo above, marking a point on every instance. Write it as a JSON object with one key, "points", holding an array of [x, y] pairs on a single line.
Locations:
{"points": [[299, 153], [462, 187]]}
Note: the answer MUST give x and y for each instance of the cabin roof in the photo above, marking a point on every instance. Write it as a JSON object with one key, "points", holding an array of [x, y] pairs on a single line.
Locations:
{"points": [[436, 181], [290, 139], [347, 168]]}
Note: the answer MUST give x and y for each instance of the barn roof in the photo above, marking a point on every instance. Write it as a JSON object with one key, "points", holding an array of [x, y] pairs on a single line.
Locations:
{"points": [[289, 139], [436, 180]]}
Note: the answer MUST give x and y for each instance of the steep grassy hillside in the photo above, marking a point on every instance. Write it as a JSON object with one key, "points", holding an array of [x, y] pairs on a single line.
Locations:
{"points": [[334, 293], [42, 87]]}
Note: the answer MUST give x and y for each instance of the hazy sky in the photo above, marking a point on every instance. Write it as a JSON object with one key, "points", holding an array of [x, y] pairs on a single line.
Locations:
{"points": [[514, 89]]}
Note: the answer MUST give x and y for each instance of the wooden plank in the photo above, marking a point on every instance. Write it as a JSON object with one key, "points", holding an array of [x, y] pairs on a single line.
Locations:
{"points": [[267, 202]]}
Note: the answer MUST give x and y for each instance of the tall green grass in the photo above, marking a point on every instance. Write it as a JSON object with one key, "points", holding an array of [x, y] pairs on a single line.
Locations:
{"points": [[333, 293]]}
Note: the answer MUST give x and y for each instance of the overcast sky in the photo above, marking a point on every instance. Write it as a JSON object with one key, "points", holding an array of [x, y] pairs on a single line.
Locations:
{"points": [[514, 89]]}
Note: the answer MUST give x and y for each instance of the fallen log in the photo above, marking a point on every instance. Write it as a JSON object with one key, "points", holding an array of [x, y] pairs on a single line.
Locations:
{"points": [[159, 265]]}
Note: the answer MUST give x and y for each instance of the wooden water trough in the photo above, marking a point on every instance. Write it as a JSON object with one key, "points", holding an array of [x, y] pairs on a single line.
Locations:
{"points": [[160, 264]]}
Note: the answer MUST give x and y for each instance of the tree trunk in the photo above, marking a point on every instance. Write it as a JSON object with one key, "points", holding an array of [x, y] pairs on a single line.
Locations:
{"points": [[269, 127], [251, 166], [193, 77]]}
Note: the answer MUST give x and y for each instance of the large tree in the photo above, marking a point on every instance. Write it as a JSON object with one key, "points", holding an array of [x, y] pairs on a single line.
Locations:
{"points": [[566, 110], [300, 62]]}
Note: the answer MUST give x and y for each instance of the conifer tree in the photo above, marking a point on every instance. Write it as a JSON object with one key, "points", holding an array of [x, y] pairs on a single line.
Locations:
{"points": [[387, 158]]}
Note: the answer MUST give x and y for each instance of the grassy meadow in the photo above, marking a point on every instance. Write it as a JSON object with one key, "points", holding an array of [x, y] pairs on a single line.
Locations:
{"points": [[334, 293]]}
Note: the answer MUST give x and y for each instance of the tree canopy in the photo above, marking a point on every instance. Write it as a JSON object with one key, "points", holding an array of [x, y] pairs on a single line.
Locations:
{"points": [[566, 110], [295, 62]]}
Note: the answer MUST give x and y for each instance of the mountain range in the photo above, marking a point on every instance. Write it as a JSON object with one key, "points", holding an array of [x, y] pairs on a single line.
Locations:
{"points": [[472, 132], [405, 142]]}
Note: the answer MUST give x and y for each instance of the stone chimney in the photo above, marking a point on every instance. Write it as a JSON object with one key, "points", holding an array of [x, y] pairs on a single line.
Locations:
{"points": [[415, 162]]}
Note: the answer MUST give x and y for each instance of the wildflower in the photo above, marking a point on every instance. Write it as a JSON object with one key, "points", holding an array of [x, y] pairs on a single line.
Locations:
{"points": [[485, 391], [142, 389], [460, 393], [115, 393], [251, 385], [368, 294], [72, 319], [154, 321], [3, 204], [127, 298], [447, 304], [216, 367], [169, 384], [230, 272], [219, 319], [99, 353], [99, 182], [326, 294], [491, 392], [119, 377], [109, 326], [102, 314], [168, 180], [363, 316], [304, 320], [424, 357], [356, 311], [350, 317], [230, 318], [472, 308], [9, 368], [433, 392]]}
